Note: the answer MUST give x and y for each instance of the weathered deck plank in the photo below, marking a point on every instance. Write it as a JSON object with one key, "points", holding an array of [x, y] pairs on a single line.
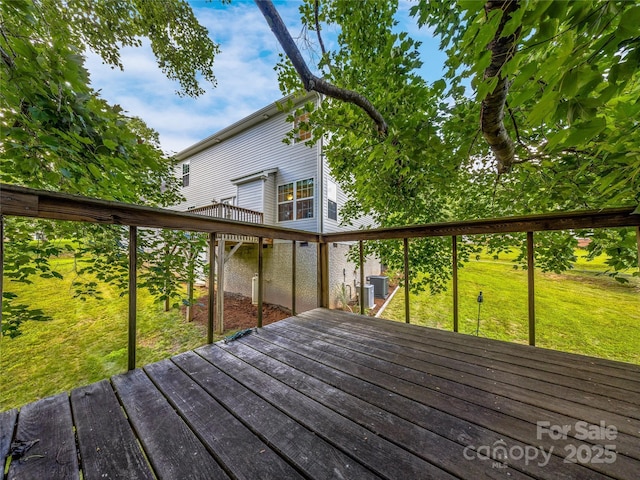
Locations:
{"points": [[414, 438], [621, 388], [594, 407], [7, 426], [376, 453], [480, 419], [314, 456], [172, 448], [329, 394], [244, 454], [48, 423], [108, 448]]}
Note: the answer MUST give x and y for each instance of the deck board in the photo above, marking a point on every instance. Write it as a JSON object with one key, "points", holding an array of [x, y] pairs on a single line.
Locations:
{"points": [[7, 426], [108, 448], [328, 394], [311, 454], [173, 449], [48, 423]]}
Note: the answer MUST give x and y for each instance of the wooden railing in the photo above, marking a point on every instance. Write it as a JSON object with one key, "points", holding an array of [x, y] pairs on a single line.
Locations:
{"points": [[23, 202], [229, 212]]}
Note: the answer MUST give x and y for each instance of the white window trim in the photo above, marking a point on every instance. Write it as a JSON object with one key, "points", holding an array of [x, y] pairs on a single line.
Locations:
{"points": [[295, 200], [302, 118]]}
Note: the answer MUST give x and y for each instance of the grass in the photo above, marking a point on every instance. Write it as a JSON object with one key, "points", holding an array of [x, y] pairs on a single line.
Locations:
{"points": [[86, 341], [579, 311]]}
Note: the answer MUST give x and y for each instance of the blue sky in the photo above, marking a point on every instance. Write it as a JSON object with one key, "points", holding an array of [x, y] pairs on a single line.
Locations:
{"points": [[244, 70]]}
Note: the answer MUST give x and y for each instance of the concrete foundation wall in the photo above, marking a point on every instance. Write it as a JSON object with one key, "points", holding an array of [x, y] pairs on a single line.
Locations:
{"points": [[240, 269]]}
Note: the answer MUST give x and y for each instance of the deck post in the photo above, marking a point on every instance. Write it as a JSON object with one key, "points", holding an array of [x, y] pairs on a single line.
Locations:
{"points": [[361, 253], [211, 312], [454, 264], [531, 290], [638, 242], [220, 292], [1, 268], [133, 260], [407, 315], [293, 277], [260, 281], [323, 275]]}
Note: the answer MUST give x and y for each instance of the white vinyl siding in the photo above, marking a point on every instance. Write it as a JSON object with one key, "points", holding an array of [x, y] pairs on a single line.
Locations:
{"points": [[251, 195], [253, 150]]}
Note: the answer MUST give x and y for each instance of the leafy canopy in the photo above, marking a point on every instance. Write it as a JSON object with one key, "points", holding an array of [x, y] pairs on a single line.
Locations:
{"points": [[571, 108], [56, 133]]}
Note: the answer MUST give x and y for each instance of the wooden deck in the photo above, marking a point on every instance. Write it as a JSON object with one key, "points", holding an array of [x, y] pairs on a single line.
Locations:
{"points": [[333, 395]]}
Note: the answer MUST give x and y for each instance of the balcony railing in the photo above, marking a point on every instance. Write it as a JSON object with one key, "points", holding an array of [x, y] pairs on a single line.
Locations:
{"points": [[231, 212], [23, 202]]}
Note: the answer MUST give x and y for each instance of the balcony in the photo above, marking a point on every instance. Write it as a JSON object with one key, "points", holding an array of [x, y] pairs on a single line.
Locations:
{"points": [[231, 212], [328, 394]]}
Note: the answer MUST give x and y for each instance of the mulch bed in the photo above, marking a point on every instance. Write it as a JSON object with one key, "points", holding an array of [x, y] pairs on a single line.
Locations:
{"points": [[239, 313]]}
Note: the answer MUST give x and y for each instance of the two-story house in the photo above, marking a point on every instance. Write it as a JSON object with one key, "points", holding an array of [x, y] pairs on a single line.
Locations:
{"points": [[246, 172]]}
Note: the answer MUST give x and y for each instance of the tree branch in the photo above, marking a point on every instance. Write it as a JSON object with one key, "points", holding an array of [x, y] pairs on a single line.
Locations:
{"points": [[309, 80], [316, 18], [492, 110]]}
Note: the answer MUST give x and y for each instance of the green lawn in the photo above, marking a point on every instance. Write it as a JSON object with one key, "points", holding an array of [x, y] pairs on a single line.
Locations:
{"points": [[577, 312], [85, 341]]}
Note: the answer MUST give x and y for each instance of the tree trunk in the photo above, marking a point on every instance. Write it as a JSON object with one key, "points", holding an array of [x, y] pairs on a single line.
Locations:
{"points": [[492, 110]]}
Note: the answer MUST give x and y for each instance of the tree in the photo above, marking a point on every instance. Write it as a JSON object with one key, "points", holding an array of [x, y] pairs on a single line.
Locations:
{"points": [[555, 90], [58, 134]]}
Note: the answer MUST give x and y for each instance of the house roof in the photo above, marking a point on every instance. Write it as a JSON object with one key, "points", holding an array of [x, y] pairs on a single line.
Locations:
{"points": [[239, 126]]}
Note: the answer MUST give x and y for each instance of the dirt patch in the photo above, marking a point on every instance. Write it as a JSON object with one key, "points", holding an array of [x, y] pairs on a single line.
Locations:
{"points": [[239, 313]]}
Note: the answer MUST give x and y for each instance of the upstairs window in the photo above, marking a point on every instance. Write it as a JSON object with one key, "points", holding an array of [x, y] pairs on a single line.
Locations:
{"points": [[185, 174], [295, 200], [332, 200], [303, 129]]}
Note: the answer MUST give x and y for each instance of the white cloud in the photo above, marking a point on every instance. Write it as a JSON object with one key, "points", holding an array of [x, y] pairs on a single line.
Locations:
{"points": [[244, 72]]}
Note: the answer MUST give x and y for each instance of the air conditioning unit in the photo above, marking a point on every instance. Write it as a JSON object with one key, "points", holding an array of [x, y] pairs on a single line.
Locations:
{"points": [[368, 296], [380, 285]]}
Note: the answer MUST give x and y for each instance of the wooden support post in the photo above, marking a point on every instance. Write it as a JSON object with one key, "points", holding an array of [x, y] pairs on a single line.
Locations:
{"points": [[219, 326], [293, 277], [361, 246], [638, 242], [323, 275], [133, 261], [531, 289], [1, 269], [407, 314], [454, 260], [211, 311], [260, 282]]}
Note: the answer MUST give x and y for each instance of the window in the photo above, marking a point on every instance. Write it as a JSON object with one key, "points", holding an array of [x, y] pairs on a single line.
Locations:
{"points": [[295, 197], [332, 204], [185, 174], [301, 124]]}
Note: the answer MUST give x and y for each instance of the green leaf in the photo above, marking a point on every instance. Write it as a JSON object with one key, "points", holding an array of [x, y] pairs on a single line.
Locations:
{"points": [[584, 132]]}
